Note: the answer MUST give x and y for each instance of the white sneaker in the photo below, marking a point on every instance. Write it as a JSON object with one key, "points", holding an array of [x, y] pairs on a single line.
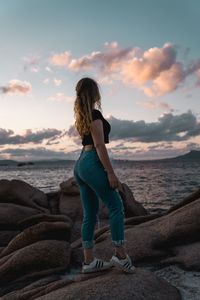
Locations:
{"points": [[123, 264], [95, 266]]}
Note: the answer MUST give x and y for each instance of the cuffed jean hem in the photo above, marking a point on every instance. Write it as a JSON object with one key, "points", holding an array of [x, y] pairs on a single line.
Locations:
{"points": [[118, 243], [88, 244]]}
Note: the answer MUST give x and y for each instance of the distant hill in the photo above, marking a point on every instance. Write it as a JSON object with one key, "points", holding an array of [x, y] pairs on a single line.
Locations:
{"points": [[190, 156], [193, 155], [7, 162]]}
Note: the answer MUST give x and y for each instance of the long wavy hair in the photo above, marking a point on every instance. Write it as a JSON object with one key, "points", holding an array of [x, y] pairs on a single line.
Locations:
{"points": [[87, 96]]}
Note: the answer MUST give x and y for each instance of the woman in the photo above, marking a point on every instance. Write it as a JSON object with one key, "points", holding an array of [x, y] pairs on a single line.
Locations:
{"points": [[96, 179]]}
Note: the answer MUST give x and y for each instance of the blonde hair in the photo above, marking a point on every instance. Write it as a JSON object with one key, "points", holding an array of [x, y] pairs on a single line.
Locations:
{"points": [[87, 95]]}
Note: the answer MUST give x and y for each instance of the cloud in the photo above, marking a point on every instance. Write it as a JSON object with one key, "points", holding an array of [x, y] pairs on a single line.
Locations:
{"points": [[166, 82], [139, 70], [16, 87], [61, 97], [48, 69], [61, 59], [32, 63], [9, 137], [107, 59], [57, 82], [169, 127], [150, 104], [155, 71], [38, 153], [46, 81]]}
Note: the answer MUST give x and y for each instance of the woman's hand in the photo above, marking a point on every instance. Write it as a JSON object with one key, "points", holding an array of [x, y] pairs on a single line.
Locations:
{"points": [[113, 180]]}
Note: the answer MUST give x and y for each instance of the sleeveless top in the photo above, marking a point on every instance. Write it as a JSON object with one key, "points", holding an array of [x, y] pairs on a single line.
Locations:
{"points": [[96, 114]]}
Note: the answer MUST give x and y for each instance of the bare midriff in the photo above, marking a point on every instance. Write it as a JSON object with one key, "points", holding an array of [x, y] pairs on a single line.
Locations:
{"points": [[88, 147]]}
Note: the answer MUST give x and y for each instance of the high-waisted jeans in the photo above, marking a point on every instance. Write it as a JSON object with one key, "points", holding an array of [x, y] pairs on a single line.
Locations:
{"points": [[92, 179]]}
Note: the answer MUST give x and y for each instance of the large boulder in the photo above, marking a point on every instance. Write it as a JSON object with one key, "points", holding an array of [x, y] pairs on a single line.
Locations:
{"points": [[71, 207], [142, 285], [37, 257], [70, 202], [156, 238], [69, 187], [20, 192], [40, 231], [53, 200], [11, 213], [6, 236], [32, 220]]}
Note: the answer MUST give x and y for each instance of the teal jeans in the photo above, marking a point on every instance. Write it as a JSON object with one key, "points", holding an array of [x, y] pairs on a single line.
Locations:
{"points": [[93, 183]]}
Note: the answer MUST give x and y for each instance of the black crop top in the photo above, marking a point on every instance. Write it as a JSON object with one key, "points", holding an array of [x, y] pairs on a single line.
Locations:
{"points": [[96, 114]]}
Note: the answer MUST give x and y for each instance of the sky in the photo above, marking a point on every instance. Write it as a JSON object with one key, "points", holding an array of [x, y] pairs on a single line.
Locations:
{"points": [[145, 56]]}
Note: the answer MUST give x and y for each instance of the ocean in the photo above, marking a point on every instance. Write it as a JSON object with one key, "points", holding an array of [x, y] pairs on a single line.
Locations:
{"points": [[157, 185]]}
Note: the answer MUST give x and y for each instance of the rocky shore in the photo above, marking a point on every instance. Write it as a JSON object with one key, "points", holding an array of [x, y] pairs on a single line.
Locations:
{"points": [[41, 253]]}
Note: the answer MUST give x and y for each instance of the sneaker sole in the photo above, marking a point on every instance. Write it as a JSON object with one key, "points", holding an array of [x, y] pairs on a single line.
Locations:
{"points": [[120, 267], [95, 270]]}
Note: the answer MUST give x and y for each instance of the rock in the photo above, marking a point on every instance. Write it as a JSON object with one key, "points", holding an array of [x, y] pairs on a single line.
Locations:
{"points": [[38, 257], [12, 213], [187, 282], [132, 207], [156, 238], [22, 193], [141, 219], [53, 200], [70, 203], [71, 207], [69, 187], [188, 256], [36, 288], [40, 231], [6, 236], [32, 220], [142, 285]]}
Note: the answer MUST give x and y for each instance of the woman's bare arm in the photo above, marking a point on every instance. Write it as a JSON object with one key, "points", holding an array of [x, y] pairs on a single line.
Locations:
{"points": [[98, 139]]}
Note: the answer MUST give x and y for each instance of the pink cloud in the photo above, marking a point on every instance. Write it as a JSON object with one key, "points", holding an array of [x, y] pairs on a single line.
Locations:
{"points": [[138, 71], [16, 87], [166, 82], [155, 105], [106, 61], [61, 59], [155, 71]]}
